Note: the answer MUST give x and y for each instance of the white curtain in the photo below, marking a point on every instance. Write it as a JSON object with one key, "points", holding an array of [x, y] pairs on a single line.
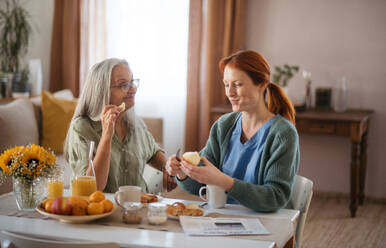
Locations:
{"points": [[152, 35]]}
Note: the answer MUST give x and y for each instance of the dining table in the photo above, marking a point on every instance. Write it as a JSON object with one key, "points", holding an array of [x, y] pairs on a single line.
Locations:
{"points": [[281, 225]]}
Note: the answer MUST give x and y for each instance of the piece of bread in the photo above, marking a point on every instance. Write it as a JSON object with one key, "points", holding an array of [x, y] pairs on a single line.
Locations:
{"points": [[193, 212], [122, 107], [148, 198], [191, 206], [191, 157]]}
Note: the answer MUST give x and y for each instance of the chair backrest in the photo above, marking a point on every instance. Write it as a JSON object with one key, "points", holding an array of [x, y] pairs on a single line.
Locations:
{"points": [[153, 177], [155, 127], [21, 240], [300, 200]]}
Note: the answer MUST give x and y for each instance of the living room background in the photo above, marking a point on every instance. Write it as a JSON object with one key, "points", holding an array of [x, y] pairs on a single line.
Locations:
{"points": [[302, 32]]}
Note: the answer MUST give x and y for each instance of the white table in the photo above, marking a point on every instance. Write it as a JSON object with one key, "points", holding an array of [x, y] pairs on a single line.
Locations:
{"points": [[123, 236], [126, 236]]}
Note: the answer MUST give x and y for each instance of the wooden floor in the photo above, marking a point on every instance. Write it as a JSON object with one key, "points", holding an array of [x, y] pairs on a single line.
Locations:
{"points": [[329, 224]]}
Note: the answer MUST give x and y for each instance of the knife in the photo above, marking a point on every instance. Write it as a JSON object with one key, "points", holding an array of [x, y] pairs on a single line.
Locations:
{"points": [[178, 155]]}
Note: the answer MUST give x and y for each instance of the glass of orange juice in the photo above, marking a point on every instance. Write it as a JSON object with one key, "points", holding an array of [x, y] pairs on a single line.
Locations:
{"points": [[54, 187], [83, 186], [54, 183]]}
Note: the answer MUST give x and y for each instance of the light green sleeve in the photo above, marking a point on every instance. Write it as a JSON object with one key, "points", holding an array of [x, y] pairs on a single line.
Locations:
{"points": [[80, 135]]}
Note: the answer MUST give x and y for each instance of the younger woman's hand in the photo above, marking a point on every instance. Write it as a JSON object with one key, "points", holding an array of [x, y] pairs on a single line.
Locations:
{"points": [[173, 167], [208, 174]]}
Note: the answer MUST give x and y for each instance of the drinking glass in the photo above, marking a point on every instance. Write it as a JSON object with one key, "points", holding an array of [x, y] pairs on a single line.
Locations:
{"points": [[54, 184], [156, 213], [54, 187], [83, 186]]}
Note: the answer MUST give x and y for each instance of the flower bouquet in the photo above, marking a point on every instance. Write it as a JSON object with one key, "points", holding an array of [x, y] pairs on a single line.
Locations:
{"points": [[29, 166]]}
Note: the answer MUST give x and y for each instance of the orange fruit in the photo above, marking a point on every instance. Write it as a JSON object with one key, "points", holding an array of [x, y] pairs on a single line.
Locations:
{"points": [[107, 205], [43, 203], [95, 208], [97, 196], [48, 205], [79, 205]]}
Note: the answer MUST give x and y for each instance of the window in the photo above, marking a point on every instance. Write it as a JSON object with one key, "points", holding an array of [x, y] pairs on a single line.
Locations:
{"points": [[152, 35]]}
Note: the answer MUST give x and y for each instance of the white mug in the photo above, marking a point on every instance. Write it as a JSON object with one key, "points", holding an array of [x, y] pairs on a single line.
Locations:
{"points": [[215, 196], [127, 194]]}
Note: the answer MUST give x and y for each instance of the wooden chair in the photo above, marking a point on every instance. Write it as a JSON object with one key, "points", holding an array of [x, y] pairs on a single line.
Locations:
{"points": [[155, 179], [300, 200], [20, 240]]}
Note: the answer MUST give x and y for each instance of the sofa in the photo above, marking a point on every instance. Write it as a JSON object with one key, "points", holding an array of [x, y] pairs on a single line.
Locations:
{"points": [[21, 123]]}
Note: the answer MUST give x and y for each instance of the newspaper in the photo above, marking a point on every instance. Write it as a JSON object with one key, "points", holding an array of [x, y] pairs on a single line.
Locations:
{"points": [[207, 226]]}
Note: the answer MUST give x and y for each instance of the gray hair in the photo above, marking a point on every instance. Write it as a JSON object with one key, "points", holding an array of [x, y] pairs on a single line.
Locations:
{"points": [[96, 91], [96, 95]]}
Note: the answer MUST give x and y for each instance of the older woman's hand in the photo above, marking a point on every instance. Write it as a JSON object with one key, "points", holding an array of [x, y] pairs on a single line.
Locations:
{"points": [[109, 116], [208, 174], [173, 167]]}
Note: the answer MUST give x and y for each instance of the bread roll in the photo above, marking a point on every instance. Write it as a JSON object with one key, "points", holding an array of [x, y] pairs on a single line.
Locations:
{"points": [[192, 157]]}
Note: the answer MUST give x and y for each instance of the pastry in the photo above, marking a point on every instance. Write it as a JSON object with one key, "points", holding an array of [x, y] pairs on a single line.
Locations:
{"points": [[179, 209], [148, 198]]}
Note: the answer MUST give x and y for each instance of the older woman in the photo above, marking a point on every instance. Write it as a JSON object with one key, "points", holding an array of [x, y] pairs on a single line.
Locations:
{"points": [[123, 143], [252, 153]]}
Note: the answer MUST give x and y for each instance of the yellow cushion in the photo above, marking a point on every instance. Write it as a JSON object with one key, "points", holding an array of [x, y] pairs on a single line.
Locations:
{"points": [[56, 117]]}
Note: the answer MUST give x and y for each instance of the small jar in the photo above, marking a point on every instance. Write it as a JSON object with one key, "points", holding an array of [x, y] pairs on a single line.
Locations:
{"points": [[132, 213], [156, 214]]}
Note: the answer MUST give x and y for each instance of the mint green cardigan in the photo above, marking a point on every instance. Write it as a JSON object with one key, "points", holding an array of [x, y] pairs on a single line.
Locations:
{"points": [[278, 166]]}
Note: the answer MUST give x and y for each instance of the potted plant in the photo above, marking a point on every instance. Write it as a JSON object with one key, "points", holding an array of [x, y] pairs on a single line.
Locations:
{"points": [[15, 32], [282, 75]]}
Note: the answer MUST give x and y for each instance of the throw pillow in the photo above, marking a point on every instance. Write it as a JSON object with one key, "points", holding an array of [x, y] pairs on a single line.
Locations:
{"points": [[18, 125], [56, 117]]}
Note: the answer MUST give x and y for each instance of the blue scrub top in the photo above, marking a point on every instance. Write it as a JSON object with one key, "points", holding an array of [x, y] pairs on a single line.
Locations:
{"points": [[242, 161]]}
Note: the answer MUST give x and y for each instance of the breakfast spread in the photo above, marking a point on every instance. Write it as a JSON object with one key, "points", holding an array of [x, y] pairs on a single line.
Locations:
{"points": [[180, 209], [191, 157]]}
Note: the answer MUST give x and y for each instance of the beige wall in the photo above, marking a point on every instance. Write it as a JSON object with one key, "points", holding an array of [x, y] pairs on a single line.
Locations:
{"points": [[330, 38], [42, 12]]}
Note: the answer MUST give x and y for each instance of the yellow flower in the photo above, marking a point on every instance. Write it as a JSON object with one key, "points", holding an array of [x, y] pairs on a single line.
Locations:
{"points": [[8, 160], [5, 161], [26, 161]]}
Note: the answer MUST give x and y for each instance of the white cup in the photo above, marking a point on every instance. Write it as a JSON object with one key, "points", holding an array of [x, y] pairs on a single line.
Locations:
{"points": [[215, 196], [127, 194]]}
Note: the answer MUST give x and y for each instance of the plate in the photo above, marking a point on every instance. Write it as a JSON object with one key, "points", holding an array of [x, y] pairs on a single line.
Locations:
{"points": [[172, 217], [75, 219]]}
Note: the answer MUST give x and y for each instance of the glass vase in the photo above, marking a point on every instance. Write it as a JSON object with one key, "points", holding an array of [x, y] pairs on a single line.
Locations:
{"points": [[28, 193]]}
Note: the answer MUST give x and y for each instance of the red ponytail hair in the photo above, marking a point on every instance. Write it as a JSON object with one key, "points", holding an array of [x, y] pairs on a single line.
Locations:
{"points": [[257, 68]]}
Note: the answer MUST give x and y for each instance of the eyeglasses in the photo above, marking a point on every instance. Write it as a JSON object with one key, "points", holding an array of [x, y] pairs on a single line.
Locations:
{"points": [[127, 85]]}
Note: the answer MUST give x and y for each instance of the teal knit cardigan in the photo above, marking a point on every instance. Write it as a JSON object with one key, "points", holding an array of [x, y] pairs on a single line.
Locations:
{"points": [[278, 166]]}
